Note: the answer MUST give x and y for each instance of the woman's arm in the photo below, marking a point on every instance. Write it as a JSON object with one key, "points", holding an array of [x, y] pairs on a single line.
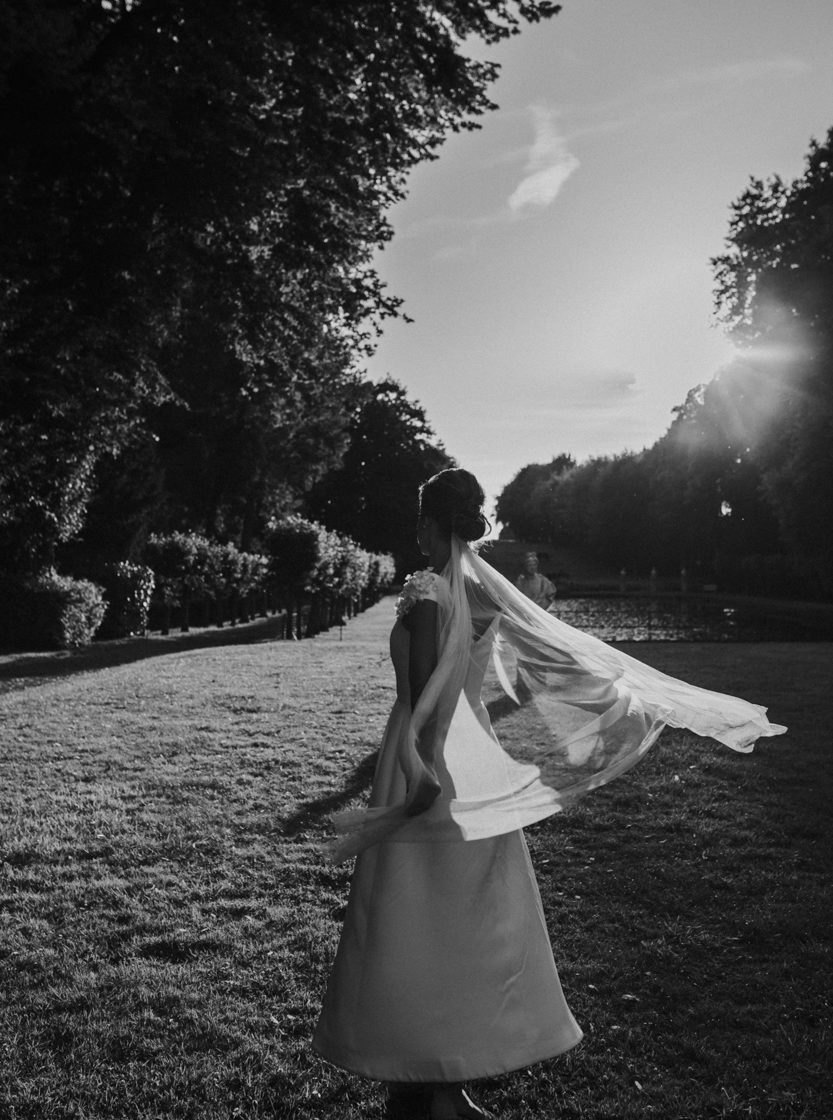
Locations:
{"points": [[421, 623]]}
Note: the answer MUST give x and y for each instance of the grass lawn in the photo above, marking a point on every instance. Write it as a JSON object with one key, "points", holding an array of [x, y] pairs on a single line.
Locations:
{"points": [[167, 919]]}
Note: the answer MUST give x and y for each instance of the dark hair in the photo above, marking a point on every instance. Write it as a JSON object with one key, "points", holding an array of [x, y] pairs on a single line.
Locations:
{"points": [[454, 498]]}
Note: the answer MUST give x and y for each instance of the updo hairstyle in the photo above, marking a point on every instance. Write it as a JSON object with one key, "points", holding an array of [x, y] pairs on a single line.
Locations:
{"points": [[454, 499]]}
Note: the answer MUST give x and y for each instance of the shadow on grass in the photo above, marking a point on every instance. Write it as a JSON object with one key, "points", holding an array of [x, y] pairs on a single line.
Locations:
{"points": [[500, 708], [357, 782], [361, 778], [25, 670]]}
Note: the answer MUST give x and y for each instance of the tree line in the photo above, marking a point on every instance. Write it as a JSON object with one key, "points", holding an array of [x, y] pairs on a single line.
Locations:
{"points": [[192, 193], [738, 490], [307, 576]]}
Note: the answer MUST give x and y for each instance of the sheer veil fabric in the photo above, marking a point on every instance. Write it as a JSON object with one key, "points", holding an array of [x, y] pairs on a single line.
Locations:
{"points": [[599, 711]]}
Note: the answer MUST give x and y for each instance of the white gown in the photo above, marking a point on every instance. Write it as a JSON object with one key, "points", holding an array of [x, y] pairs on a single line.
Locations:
{"points": [[444, 971]]}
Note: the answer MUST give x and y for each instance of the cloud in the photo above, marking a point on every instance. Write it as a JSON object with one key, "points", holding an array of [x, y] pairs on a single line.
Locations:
{"points": [[597, 388], [584, 411], [749, 70], [579, 389], [549, 165], [502, 446], [654, 99], [451, 225]]}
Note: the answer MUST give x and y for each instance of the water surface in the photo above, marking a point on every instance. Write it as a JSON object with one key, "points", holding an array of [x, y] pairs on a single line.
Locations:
{"points": [[629, 618]]}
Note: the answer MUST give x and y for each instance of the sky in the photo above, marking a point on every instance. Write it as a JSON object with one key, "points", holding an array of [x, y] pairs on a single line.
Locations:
{"points": [[556, 261]]}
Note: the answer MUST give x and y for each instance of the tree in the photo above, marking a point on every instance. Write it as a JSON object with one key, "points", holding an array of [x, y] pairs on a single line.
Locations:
{"points": [[194, 168], [525, 505], [373, 494], [127, 492], [774, 291]]}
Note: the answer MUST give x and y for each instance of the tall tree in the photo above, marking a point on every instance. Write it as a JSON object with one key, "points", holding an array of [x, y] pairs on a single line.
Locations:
{"points": [[774, 291], [373, 495], [192, 168], [525, 506]]}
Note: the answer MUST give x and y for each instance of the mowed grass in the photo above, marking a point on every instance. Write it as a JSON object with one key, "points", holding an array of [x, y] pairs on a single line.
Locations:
{"points": [[168, 918]]}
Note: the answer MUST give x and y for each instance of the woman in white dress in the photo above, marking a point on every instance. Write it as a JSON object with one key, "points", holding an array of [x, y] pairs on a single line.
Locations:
{"points": [[444, 971]]}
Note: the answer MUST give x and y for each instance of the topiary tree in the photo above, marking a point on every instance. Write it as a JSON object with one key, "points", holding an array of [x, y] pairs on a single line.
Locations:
{"points": [[128, 589], [293, 545]]}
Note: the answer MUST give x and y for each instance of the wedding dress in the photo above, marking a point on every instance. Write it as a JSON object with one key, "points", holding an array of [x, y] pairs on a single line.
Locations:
{"points": [[444, 970]]}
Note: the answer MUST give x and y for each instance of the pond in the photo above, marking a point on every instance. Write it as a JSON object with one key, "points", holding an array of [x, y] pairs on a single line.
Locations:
{"points": [[670, 618]]}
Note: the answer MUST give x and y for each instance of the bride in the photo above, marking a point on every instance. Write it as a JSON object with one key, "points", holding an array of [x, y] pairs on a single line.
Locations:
{"points": [[444, 971]]}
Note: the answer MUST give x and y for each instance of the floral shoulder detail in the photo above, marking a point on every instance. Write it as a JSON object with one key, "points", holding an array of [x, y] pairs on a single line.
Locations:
{"points": [[421, 585]]}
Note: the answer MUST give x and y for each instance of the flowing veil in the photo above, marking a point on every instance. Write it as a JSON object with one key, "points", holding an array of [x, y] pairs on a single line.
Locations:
{"points": [[598, 712]]}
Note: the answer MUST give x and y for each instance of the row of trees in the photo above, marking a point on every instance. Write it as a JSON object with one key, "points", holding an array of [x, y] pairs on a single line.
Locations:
{"points": [[312, 577], [739, 488], [370, 496], [316, 576], [193, 192]]}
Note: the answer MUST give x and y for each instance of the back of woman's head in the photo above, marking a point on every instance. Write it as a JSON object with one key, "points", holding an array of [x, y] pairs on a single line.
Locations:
{"points": [[454, 499]]}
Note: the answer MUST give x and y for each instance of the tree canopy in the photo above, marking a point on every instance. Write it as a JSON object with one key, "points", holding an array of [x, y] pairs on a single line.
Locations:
{"points": [[525, 506], [373, 494], [775, 294], [196, 190]]}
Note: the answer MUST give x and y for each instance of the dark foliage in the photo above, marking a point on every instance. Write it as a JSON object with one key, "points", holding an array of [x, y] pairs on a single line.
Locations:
{"points": [[128, 590], [524, 505], [373, 494], [775, 293], [49, 611], [196, 189]]}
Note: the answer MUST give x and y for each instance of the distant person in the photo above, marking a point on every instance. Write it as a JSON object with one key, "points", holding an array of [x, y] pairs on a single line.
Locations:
{"points": [[535, 586]]}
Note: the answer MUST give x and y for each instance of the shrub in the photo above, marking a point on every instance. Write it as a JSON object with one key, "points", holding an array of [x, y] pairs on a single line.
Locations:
{"points": [[171, 558], [382, 571], [181, 563], [72, 609], [128, 589], [50, 611], [352, 570], [295, 546], [254, 571], [223, 570]]}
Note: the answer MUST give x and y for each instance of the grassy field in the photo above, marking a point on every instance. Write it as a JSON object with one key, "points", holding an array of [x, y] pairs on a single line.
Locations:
{"points": [[167, 918]]}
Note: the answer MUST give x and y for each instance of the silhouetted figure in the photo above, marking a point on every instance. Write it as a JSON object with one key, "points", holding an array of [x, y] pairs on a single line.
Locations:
{"points": [[535, 586]]}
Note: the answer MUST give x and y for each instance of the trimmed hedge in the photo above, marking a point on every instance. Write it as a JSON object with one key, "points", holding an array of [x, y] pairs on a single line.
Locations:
{"points": [[316, 576], [50, 611], [180, 563], [218, 578], [128, 589], [297, 555], [323, 575]]}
